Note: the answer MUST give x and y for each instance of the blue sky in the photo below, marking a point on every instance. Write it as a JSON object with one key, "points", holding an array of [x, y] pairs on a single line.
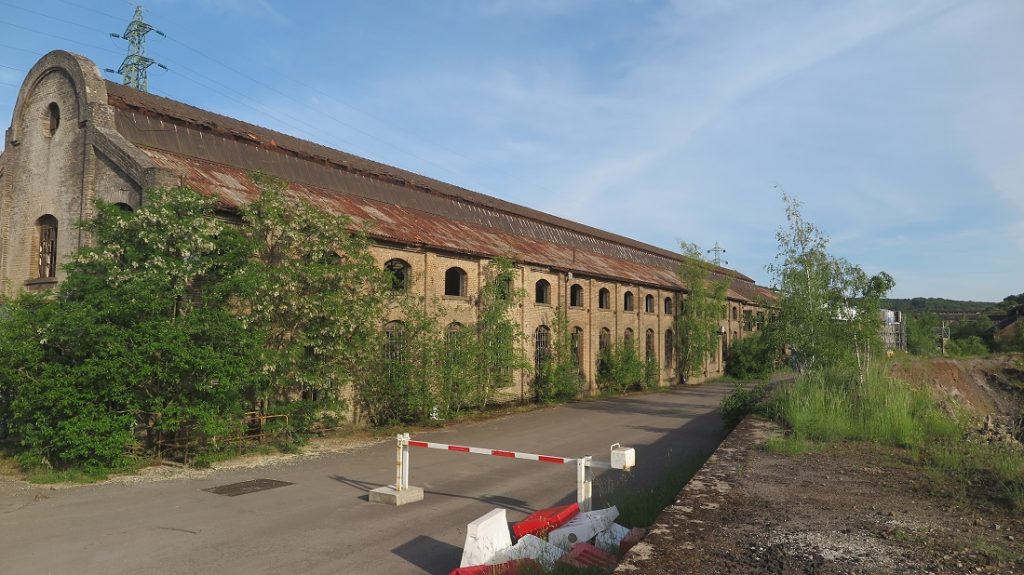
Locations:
{"points": [[898, 124]]}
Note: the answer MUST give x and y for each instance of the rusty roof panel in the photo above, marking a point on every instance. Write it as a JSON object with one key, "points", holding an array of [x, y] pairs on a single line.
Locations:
{"points": [[405, 225], [214, 154], [225, 140]]}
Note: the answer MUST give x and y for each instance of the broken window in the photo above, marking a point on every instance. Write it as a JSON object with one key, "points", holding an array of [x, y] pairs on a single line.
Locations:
{"points": [[400, 274], [604, 299], [668, 306], [649, 303], [455, 282], [627, 301], [649, 345], [47, 253], [576, 295]]}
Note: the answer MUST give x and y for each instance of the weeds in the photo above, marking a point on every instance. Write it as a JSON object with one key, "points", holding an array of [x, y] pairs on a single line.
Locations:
{"points": [[827, 406], [641, 507]]}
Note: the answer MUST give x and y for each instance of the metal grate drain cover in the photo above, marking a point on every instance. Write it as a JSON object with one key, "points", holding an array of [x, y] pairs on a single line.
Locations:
{"points": [[244, 487]]}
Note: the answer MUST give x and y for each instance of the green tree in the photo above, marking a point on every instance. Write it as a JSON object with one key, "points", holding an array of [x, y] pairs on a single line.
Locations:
{"points": [[138, 332], [499, 348], [561, 376], [922, 333], [829, 309], [312, 288], [697, 327]]}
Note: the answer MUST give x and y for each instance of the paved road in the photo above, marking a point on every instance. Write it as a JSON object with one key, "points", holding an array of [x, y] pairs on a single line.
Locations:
{"points": [[323, 523]]}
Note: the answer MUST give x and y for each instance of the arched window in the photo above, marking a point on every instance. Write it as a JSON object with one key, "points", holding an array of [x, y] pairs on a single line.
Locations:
{"points": [[47, 247], [735, 313], [604, 299], [576, 295], [577, 346], [394, 347], [649, 351], [627, 301], [543, 292], [604, 340], [668, 306], [670, 346], [400, 274], [455, 282], [541, 349], [627, 337], [453, 342], [649, 303], [53, 117]]}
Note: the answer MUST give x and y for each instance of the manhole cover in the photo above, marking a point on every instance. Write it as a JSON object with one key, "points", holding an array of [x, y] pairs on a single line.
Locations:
{"points": [[244, 487]]}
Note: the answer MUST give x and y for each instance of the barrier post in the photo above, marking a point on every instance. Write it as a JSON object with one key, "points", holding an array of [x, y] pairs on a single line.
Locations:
{"points": [[400, 493], [584, 483], [405, 461], [399, 460]]}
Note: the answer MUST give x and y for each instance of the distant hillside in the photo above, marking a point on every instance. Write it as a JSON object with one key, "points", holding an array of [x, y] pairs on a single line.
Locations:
{"points": [[937, 305]]}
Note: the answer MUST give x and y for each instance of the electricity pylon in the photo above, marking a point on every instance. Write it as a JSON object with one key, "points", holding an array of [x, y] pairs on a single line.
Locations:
{"points": [[133, 68], [718, 251]]}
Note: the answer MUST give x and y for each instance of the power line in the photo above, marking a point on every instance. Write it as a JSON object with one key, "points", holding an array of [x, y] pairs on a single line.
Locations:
{"points": [[41, 33]]}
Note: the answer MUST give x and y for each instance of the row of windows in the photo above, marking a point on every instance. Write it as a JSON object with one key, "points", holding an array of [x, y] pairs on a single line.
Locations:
{"points": [[455, 284], [542, 344]]}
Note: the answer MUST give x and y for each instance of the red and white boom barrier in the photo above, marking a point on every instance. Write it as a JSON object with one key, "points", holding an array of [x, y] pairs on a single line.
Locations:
{"points": [[623, 458]]}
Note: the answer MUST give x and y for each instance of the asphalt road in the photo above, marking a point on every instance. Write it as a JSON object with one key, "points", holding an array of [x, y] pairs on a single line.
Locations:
{"points": [[323, 522]]}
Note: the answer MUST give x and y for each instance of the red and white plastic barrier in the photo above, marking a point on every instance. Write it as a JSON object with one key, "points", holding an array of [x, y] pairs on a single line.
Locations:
{"points": [[621, 458]]}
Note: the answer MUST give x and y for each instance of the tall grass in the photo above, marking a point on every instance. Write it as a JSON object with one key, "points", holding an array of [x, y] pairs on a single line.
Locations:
{"points": [[830, 405]]}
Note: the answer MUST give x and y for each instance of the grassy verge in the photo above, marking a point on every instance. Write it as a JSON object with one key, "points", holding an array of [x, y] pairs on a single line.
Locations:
{"points": [[829, 407], [641, 507]]}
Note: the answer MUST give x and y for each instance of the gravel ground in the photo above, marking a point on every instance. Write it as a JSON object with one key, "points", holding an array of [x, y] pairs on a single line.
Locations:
{"points": [[845, 509]]}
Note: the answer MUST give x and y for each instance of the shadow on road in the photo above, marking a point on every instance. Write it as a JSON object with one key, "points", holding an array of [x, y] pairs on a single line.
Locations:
{"points": [[510, 503], [429, 554]]}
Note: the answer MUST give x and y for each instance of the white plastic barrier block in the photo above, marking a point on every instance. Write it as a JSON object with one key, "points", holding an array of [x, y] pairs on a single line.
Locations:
{"points": [[583, 527], [608, 540], [487, 539], [533, 547]]}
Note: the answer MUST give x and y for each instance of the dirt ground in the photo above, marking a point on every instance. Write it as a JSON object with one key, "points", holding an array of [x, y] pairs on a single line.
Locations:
{"points": [[848, 508]]}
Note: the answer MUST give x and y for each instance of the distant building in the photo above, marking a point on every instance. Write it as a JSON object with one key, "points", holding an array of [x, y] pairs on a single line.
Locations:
{"points": [[894, 330], [75, 137]]}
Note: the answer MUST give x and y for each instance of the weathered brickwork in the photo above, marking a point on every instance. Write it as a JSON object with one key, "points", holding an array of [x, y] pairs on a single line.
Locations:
{"points": [[114, 146]]}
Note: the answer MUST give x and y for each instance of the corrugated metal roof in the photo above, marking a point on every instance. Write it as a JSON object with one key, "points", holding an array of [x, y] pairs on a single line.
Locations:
{"points": [[214, 154]]}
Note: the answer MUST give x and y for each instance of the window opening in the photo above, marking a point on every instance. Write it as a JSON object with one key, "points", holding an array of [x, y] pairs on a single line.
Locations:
{"points": [[543, 292], [542, 348], [668, 306], [628, 337], [604, 299], [649, 303], [576, 295], [627, 301], [455, 282], [649, 345], [47, 256], [400, 274], [53, 117], [577, 346], [669, 348]]}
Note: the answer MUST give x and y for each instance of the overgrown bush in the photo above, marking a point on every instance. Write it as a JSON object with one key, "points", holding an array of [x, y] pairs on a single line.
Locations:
{"points": [[620, 368], [969, 346], [753, 357], [743, 400], [560, 377]]}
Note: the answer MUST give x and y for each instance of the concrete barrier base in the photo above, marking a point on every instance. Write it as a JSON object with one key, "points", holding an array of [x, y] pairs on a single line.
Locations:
{"points": [[388, 496]]}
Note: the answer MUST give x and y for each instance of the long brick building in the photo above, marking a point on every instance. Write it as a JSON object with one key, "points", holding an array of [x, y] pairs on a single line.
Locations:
{"points": [[75, 137]]}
